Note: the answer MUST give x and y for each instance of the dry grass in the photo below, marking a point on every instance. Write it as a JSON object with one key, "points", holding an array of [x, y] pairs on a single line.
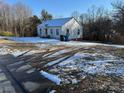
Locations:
{"points": [[2, 41], [94, 84]]}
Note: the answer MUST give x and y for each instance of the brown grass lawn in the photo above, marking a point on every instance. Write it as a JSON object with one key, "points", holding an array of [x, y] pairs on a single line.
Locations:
{"points": [[2, 41]]}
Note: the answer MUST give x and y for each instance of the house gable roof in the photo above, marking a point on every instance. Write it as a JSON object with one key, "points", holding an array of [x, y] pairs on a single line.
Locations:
{"points": [[56, 22]]}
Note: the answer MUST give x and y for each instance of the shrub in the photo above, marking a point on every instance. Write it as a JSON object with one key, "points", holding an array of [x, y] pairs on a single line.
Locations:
{"points": [[6, 33]]}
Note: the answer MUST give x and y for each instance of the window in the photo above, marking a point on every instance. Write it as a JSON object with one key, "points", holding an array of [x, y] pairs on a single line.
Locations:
{"points": [[40, 31], [57, 31], [78, 32], [51, 31]]}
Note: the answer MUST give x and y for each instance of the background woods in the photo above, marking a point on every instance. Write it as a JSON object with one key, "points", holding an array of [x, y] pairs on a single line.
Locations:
{"points": [[118, 22], [98, 23], [17, 20], [14, 18]]}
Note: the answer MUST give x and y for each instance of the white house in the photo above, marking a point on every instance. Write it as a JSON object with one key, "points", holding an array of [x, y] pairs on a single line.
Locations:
{"points": [[63, 29]]}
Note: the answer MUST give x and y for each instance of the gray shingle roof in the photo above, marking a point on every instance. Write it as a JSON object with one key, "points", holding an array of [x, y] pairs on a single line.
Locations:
{"points": [[56, 22]]}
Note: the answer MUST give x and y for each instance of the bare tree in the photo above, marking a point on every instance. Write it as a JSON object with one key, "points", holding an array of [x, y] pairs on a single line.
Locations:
{"points": [[22, 14], [118, 20], [14, 17], [45, 15], [76, 15], [96, 23]]}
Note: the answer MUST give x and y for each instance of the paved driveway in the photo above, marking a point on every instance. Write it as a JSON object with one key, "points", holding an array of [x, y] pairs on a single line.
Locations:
{"points": [[18, 77]]}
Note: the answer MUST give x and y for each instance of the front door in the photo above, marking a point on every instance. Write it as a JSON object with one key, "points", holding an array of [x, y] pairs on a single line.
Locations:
{"points": [[67, 35], [46, 32]]}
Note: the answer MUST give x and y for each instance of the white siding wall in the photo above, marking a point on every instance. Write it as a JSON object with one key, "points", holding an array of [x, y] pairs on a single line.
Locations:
{"points": [[54, 35], [73, 27], [41, 31], [38, 31]]}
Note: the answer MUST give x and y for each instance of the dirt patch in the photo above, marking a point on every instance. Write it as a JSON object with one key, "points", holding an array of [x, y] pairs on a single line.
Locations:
{"points": [[94, 84]]}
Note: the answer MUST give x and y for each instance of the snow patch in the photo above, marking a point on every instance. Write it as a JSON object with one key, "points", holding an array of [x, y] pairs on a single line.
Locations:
{"points": [[54, 62], [58, 42], [24, 67], [59, 53], [31, 86], [71, 59], [51, 77], [33, 40], [30, 71], [74, 81], [52, 91], [17, 53]]}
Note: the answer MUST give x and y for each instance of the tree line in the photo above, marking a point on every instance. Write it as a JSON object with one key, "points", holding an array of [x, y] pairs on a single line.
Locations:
{"points": [[102, 25], [98, 23], [18, 19]]}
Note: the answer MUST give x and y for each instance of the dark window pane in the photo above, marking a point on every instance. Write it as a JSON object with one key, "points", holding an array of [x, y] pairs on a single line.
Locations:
{"points": [[57, 31], [51, 31], [78, 32], [40, 31], [67, 31]]}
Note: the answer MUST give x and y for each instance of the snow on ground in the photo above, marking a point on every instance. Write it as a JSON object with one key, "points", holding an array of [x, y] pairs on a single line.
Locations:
{"points": [[4, 50], [15, 52], [33, 40], [7, 50], [2, 37], [33, 52], [51, 77], [42, 46], [78, 66], [78, 43], [57, 42], [54, 62], [89, 63], [60, 52], [52, 91]]}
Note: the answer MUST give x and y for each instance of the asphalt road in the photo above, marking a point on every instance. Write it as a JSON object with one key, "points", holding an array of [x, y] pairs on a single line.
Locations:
{"points": [[19, 77]]}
